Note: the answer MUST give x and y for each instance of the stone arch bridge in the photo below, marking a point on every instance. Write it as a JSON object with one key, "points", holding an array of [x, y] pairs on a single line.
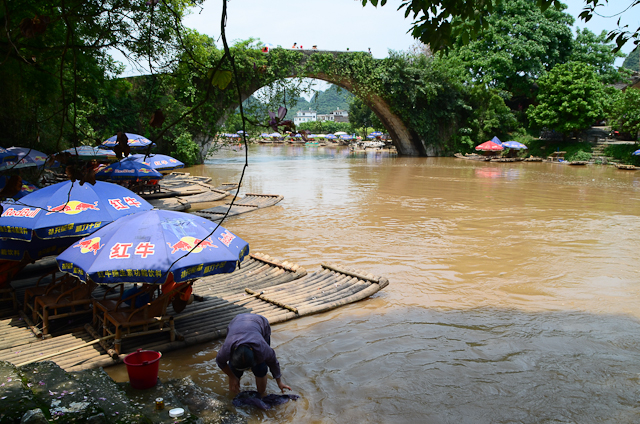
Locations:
{"points": [[406, 141]]}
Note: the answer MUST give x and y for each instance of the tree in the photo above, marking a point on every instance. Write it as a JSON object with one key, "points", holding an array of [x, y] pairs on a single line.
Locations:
{"points": [[571, 98], [624, 115], [56, 65], [360, 116], [596, 51], [440, 22], [520, 44]]}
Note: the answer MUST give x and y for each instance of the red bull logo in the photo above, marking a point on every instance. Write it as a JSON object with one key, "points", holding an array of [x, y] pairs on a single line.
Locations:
{"points": [[89, 245], [187, 243], [23, 213], [73, 207]]}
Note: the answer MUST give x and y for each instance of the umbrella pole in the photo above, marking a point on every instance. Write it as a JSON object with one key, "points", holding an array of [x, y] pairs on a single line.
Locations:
{"points": [[71, 349]]}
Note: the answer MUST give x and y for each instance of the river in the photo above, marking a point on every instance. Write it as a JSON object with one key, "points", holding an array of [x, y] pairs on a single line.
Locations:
{"points": [[513, 293]]}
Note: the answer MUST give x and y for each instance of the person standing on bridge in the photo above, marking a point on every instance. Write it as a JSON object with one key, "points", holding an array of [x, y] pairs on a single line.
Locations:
{"points": [[247, 346], [295, 45]]}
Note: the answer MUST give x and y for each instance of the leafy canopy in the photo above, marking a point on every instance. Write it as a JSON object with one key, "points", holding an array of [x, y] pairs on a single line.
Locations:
{"points": [[439, 23], [571, 99]]}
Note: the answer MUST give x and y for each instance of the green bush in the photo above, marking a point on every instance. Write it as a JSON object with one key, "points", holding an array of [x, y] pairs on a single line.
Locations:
{"points": [[580, 155], [623, 153], [186, 150]]}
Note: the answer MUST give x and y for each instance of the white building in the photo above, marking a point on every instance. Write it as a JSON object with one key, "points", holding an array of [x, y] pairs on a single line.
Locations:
{"points": [[304, 116]]}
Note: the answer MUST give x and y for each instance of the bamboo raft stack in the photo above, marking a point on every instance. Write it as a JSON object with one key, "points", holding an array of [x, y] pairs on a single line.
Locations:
{"points": [[250, 202], [280, 291]]}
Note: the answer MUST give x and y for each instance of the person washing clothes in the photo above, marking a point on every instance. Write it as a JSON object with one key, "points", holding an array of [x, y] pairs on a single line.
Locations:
{"points": [[247, 347]]}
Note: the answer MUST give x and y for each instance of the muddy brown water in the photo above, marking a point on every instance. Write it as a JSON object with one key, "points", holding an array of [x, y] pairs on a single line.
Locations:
{"points": [[513, 298]]}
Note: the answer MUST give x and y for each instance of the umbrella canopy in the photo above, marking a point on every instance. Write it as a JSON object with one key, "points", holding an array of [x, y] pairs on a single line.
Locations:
{"points": [[514, 145], [375, 134], [37, 248], [275, 134], [68, 209], [636, 153], [496, 140], [27, 187], [89, 152], [489, 146], [26, 157], [158, 162], [144, 247], [265, 135], [6, 155], [346, 137], [128, 169], [134, 141], [330, 136]]}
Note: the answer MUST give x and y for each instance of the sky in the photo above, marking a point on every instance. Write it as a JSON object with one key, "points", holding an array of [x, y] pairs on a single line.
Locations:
{"points": [[342, 24]]}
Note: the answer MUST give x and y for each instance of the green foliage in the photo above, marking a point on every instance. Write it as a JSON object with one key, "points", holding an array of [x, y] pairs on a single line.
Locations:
{"points": [[439, 23], [56, 73], [594, 50], [361, 117], [579, 155], [519, 44], [186, 150], [632, 62], [326, 127], [623, 153], [624, 114], [544, 148], [571, 98]]}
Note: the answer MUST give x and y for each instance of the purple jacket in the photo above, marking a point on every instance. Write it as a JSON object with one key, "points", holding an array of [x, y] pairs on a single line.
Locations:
{"points": [[254, 331]]}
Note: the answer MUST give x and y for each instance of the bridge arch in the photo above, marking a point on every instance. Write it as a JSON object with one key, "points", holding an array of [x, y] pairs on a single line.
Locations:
{"points": [[406, 141]]}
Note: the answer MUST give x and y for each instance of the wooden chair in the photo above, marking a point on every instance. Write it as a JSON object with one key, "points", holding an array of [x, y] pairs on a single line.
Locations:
{"points": [[74, 301], [109, 303], [148, 319], [57, 285]]}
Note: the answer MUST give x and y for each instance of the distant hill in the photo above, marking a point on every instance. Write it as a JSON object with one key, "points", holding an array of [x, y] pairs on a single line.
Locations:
{"points": [[633, 61], [326, 101]]}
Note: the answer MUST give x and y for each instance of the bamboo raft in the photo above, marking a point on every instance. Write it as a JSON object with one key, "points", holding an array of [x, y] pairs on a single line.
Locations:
{"points": [[625, 167], [250, 202], [578, 162], [280, 291]]}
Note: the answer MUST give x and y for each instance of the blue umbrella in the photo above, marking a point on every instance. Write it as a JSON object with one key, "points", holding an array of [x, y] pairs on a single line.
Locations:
{"points": [[90, 152], [158, 162], [27, 187], [514, 145], [346, 137], [26, 157], [496, 140], [6, 155], [636, 153], [68, 209], [265, 135], [375, 134], [135, 141], [17, 250], [128, 169], [275, 134], [144, 247], [330, 136]]}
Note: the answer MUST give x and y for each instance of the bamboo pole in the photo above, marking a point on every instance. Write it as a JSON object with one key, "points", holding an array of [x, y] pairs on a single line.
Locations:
{"points": [[71, 349], [28, 321], [266, 299], [111, 352], [335, 268]]}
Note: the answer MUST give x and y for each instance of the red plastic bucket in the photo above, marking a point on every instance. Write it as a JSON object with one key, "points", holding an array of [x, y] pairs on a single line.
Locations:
{"points": [[142, 367]]}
